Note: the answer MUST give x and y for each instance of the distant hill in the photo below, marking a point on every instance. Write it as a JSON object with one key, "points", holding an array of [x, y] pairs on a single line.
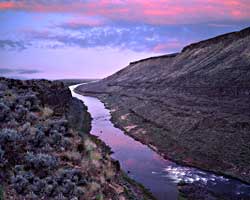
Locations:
{"points": [[192, 106], [69, 82]]}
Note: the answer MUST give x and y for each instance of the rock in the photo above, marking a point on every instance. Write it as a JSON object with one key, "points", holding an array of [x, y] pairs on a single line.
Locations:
{"points": [[77, 114], [198, 192], [56, 96]]}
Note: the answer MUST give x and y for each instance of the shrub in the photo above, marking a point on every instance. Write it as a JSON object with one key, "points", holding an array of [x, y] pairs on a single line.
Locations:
{"points": [[39, 138], [2, 160], [41, 161], [4, 111], [1, 193], [20, 183], [47, 112], [9, 136], [1, 153]]}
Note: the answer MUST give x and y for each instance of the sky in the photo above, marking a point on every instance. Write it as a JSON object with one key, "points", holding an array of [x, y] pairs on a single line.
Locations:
{"points": [[56, 39]]}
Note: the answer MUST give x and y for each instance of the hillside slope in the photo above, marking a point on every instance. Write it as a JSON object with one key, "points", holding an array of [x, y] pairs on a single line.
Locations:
{"points": [[192, 106], [47, 152]]}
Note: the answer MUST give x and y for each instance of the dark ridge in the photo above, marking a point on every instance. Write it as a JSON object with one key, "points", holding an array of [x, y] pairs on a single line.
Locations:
{"points": [[228, 37], [155, 57]]}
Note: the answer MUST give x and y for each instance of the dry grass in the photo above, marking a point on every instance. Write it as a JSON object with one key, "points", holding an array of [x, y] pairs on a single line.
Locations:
{"points": [[47, 112]]}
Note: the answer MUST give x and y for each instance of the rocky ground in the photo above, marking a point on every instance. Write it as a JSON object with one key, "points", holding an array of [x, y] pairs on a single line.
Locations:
{"points": [[46, 151], [196, 191]]}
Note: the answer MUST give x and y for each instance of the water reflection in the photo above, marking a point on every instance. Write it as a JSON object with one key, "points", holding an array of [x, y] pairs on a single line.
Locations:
{"points": [[146, 166]]}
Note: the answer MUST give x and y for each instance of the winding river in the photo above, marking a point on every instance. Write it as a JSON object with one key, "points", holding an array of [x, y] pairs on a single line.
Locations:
{"points": [[146, 166]]}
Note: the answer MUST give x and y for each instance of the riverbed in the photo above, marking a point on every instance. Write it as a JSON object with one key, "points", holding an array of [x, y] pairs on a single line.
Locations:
{"points": [[144, 165]]}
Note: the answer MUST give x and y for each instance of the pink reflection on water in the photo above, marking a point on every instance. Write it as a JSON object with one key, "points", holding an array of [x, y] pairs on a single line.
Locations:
{"points": [[146, 166], [129, 162], [115, 138]]}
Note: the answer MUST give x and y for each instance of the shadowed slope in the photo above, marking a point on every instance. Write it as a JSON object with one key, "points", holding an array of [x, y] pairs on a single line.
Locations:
{"points": [[193, 106]]}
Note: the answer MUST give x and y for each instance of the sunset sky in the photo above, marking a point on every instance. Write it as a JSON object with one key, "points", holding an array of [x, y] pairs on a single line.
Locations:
{"points": [[93, 39]]}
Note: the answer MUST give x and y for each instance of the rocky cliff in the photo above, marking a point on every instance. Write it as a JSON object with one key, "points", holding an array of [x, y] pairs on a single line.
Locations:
{"points": [[192, 106], [46, 151]]}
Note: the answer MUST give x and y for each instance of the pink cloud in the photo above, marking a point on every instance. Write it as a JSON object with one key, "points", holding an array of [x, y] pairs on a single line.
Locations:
{"points": [[168, 46], [84, 21], [7, 5], [151, 11]]}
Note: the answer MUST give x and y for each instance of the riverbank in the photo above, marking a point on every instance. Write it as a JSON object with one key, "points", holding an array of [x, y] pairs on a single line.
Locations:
{"points": [[192, 107], [46, 151], [188, 190]]}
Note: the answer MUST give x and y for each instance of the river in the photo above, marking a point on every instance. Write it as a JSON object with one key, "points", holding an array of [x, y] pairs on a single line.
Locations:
{"points": [[147, 167]]}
